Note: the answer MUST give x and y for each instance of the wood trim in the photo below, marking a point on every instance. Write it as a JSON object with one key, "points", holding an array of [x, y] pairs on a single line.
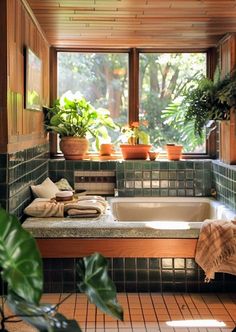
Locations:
{"points": [[133, 86], [65, 248], [3, 77], [34, 19]]}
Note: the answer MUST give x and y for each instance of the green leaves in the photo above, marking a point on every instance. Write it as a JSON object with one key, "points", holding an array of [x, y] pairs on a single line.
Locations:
{"points": [[73, 115], [43, 317], [20, 259], [98, 286]]}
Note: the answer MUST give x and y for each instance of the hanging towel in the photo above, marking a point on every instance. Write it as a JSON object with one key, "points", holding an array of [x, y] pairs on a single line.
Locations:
{"points": [[216, 248]]}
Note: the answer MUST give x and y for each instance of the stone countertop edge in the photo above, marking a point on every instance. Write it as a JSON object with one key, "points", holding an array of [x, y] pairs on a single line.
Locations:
{"points": [[103, 227]]}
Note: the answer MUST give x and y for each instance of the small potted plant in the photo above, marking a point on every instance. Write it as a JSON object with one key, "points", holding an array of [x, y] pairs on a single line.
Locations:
{"points": [[174, 152], [76, 120], [137, 146]]}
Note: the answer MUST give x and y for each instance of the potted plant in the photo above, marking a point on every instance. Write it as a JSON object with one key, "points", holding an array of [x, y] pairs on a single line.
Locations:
{"points": [[76, 120], [210, 100], [138, 142], [174, 151]]}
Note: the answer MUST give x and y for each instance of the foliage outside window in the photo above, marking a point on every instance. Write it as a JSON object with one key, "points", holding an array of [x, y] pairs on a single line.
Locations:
{"points": [[163, 80], [103, 79]]}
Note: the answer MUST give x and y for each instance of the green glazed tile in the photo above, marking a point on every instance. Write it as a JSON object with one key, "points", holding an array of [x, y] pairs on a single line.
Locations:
{"points": [[138, 192], [156, 192], [129, 175], [181, 165], [163, 175], [172, 192], [147, 192], [146, 175], [95, 166], [120, 175], [147, 165], [163, 192], [189, 174], [189, 164], [104, 166], [198, 165], [138, 175], [172, 175], [120, 166], [129, 165], [164, 165], [138, 165], [181, 193], [173, 165], [181, 175], [155, 165], [155, 175]]}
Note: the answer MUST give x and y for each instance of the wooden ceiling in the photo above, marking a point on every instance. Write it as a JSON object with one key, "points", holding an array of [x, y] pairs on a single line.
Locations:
{"points": [[135, 23]]}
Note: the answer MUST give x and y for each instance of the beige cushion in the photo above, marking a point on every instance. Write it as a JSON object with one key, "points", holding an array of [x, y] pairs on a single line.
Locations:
{"points": [[47, 189], [43, 207], [63, 184]]}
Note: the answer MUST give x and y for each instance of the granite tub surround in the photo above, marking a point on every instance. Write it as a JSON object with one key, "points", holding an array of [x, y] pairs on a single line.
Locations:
{"points": [[106, 227]]}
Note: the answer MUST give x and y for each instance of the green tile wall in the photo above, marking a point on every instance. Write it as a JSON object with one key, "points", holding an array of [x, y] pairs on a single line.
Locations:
{"points": [[24, 168], [224, 182], [162, 178]]}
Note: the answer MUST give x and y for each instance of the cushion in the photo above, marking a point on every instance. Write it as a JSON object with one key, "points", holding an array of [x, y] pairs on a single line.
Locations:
{"points": [[47, 189], [63, 184]]}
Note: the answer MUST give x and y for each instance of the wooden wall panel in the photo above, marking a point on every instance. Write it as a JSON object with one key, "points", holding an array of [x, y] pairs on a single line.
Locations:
{"points": [[3, 77], [227, 50], [25, 127]]}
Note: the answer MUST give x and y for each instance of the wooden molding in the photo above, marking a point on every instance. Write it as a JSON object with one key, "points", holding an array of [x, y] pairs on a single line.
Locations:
{"points": [[65, 248]]}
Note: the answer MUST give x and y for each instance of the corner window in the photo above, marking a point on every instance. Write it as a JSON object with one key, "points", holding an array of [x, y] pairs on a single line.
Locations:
{"points": [[106, 78], [163, 78]]}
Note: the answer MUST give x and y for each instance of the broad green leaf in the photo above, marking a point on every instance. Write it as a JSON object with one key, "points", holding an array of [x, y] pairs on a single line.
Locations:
{"points": [[20, 259], [43, 317], [98, 286]]}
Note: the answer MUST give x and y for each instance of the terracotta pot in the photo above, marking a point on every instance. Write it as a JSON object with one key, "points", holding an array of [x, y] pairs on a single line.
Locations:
{"points": [[174, 152], [138, 151], [106, 149], [74, 148]]}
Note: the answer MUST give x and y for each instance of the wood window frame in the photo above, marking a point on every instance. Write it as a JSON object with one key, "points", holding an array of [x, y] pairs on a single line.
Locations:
{"points": [[133, 109]]}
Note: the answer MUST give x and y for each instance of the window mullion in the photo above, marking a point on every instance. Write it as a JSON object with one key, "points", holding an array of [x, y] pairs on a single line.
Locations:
{"points": [[133, 85]]}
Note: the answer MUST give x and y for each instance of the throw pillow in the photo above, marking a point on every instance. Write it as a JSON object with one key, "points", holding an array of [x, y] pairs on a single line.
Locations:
{"points": [[47, 189]]}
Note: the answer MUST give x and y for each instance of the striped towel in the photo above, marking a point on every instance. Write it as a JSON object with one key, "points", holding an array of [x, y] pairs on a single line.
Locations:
{"points": [[216, 248]]}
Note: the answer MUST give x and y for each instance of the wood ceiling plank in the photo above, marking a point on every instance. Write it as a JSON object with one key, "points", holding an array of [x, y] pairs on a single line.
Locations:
{"points": [[178, 21]]}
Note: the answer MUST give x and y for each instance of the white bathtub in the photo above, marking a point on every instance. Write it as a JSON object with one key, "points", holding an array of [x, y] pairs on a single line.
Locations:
{"points": [[169, 209]]}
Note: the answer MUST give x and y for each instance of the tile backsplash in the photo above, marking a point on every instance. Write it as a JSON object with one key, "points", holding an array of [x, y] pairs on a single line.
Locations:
{"points": [[157, 178], [18, 171]]}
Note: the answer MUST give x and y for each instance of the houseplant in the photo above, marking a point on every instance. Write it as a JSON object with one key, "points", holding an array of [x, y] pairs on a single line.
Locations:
{"points": [[210, 100], [138, 141], [76, 120], [21, 269]]}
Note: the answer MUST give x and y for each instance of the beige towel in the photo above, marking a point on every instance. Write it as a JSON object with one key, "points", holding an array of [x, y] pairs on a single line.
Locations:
{"points": [[85, 208], [43, 208], [216, 248]]}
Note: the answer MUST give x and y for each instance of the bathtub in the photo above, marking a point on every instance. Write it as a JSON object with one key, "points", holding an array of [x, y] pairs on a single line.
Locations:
{"points": [[187, 209]]}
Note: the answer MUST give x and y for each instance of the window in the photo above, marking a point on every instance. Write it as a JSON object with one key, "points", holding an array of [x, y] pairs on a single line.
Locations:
{"points": [[102, 78], [163, 77], [109, 79]]}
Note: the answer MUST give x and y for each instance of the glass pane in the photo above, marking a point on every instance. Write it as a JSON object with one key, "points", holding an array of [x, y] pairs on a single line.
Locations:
{"points": [[162, 80], [102, 78]]}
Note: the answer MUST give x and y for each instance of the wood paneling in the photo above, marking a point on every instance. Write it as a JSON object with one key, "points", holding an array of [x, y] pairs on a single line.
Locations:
{"points": [[3, 77], [135, 23], [25, 127], [227, 51], [54, 248]]}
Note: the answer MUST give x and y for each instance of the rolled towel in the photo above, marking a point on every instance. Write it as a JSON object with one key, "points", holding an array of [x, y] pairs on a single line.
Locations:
{"points": [[85, 208]]}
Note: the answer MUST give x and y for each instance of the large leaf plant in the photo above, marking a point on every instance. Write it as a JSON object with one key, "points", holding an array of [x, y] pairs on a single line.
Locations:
{"points": [[21, 266], [73, 115]]}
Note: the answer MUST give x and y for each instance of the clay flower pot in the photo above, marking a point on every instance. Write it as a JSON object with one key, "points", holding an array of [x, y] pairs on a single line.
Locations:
{"points": [[174, 152], [74, 148], [138, 151]]}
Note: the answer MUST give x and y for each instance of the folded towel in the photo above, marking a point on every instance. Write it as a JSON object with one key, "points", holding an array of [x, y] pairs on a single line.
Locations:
{"points": [[216, 248], [85, 208], [43, 208]]}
